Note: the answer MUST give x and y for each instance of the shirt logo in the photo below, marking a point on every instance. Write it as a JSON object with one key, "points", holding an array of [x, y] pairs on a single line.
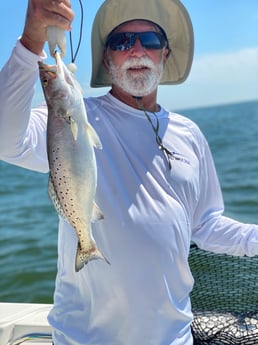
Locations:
{"points": [[180, 157]]}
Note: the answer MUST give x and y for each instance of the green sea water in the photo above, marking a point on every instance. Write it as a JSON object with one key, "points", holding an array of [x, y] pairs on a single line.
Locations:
{"points": [[28, 222]]}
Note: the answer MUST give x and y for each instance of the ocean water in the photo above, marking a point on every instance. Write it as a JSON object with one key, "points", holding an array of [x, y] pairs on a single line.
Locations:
{"points": [[28, 222]]}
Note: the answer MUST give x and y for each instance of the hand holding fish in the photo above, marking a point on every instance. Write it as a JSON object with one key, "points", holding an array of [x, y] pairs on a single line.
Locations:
{"points": [[56, 38], [42, 14]]}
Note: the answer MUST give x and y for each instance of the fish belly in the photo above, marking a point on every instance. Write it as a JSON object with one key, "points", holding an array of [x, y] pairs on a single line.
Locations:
{"points": [[72, 184]]}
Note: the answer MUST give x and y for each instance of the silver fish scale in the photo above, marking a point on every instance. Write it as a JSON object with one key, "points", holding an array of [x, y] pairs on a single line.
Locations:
{"points": [[61, 193], [67, 194]]}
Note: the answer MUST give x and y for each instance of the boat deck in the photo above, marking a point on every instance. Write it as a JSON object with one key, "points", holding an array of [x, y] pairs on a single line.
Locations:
{"points": [[22, 323]]}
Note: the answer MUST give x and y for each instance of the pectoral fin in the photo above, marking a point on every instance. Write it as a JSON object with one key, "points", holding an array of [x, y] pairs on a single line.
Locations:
{"points": [[74, 128], [94, 138]]}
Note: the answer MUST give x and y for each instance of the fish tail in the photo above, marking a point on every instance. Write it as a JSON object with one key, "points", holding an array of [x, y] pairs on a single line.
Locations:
{"points": [[83, 257]]}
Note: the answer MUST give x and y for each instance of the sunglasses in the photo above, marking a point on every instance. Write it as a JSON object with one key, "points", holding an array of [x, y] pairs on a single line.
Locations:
{"points": [[126, 40]]}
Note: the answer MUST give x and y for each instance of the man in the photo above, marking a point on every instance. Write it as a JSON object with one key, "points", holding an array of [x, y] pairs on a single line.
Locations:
{"points": [[157, 185]]}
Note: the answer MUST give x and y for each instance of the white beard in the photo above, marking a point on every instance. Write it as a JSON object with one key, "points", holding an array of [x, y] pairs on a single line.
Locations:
{"points": [[140, 83]]}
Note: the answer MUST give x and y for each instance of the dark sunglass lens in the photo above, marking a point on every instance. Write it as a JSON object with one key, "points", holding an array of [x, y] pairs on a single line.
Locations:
{"points": [[126, 40], [120, 41], [151, 40]]}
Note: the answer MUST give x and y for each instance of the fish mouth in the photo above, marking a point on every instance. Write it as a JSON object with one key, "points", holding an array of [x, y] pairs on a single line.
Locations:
{"points": [[58, 72], [49, 72], [52, 68]]}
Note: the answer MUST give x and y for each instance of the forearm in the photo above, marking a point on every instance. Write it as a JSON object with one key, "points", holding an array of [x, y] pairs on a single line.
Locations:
{"points": [[220, 234], [18, 78], [211, 230], [22, 131]]}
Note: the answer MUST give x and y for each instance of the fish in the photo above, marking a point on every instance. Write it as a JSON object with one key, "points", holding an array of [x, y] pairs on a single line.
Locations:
{"points": [[70, 147]]}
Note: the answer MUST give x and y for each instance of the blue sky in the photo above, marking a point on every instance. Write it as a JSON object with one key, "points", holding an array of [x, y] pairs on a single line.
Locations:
{"points": [[225, 67]]}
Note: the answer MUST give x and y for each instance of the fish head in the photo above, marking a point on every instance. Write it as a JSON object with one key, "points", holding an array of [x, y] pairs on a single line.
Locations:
{"points": [[59, 84], [48, 79]]}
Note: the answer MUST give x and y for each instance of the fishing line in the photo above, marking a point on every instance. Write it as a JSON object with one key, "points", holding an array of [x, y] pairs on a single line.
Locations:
{"points": [[73, 56]]}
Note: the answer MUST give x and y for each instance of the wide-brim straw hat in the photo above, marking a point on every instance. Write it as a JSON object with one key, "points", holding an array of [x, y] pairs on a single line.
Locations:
{"points": [[170, 15]]}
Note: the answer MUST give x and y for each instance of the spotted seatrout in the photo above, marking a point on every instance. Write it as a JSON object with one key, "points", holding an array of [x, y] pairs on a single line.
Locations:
{"points": [[70, 146]]}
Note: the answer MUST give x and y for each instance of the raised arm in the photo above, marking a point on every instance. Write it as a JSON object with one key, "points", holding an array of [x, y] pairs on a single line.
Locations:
{"points": [[40, 15], [22, 130]]}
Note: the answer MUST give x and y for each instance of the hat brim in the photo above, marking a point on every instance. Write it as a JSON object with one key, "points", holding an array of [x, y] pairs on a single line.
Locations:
{"points": [[170, 15]]}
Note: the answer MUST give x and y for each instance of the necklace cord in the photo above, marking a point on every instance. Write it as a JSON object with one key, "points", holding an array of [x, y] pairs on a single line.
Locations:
{"points": [[167, 153]]}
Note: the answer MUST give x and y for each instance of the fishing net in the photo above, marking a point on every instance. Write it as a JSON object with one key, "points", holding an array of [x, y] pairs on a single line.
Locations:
{"points": [[224, 298]]}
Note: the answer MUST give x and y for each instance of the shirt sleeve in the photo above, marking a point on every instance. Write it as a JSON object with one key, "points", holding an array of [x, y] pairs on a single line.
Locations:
{"points": [[22, 131], [213, 231]]}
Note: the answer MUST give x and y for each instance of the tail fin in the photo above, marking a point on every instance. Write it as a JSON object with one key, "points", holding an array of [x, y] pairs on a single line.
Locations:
{"points": [[83, 257]]}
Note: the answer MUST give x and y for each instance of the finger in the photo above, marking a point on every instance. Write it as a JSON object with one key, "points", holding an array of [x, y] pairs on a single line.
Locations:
{"points": [[61, 14], [67, 3], [61, 7]]}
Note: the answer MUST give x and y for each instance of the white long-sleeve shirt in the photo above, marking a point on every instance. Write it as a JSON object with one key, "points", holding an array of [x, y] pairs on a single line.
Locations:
{"points": [[151, 215]]}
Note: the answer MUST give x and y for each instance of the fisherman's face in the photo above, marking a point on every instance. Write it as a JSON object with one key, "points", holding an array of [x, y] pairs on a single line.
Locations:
{"points": [[137, 71]]}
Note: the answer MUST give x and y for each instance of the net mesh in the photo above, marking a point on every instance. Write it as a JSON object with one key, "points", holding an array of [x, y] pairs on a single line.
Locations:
{"points": [[224, 298]]}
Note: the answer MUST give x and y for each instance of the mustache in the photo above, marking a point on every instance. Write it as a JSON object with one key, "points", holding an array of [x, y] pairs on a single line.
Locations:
{"points": [[142, 62]]}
